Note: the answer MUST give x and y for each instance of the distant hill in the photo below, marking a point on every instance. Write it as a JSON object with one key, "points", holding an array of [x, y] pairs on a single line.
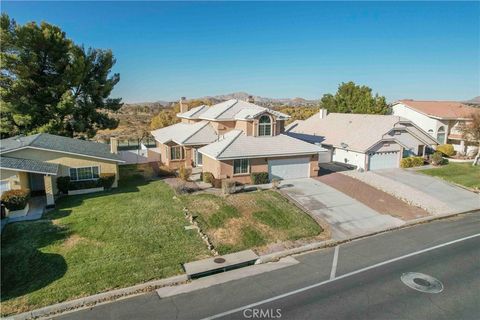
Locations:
{"points": [[475, 101], [263, 101]]}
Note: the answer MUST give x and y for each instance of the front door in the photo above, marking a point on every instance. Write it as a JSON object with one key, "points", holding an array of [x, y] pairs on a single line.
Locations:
{"points": [[198, 158]]}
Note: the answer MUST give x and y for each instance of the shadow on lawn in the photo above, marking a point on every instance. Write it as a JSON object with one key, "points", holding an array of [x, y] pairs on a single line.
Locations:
{"points": [[25, 268]]}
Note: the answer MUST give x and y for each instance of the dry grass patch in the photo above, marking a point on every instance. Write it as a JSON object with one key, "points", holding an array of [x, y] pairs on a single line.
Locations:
{"points": [[250, 220]]}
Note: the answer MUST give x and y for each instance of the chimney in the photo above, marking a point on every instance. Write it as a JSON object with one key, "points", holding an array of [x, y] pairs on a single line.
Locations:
{"points": [[183, 106], [323, 113], [250, 99], [114, 145]]}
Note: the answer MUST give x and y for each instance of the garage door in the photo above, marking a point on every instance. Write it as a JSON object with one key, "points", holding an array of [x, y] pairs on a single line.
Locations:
{"points": [[289, 168], [383, 160]]}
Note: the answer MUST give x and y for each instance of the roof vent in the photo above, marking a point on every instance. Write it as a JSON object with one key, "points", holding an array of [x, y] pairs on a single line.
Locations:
{"points": [[251, 99]]}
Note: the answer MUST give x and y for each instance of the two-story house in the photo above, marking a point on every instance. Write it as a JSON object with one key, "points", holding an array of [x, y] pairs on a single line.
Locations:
{"points": [[233, 139], [443, 120]]}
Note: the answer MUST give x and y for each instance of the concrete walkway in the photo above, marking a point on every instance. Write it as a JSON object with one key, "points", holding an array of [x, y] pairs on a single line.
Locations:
{"points": [[346, 216], [35, 212], [457, 198]]}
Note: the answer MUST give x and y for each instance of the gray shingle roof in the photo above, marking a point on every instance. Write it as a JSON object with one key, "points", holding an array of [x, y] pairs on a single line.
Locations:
{"points": [[236, 145], [28, 165], [59, 143]]}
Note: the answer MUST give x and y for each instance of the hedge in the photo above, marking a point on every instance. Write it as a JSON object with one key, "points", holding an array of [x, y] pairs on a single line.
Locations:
{"points": [[15, 199], [106, 181], [259, 177], [446, 149], [411, 162]]}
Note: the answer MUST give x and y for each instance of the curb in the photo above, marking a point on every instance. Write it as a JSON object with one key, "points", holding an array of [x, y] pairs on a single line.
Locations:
{"points": [[104, 297], [99, 298], [272, 257]]}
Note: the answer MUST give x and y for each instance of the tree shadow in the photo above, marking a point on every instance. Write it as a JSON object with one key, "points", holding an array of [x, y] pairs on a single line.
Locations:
{"points": [[25, 268]]}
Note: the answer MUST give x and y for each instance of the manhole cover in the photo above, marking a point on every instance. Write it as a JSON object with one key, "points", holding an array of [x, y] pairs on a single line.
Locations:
{"points": [[422, 282], [219, 260]]}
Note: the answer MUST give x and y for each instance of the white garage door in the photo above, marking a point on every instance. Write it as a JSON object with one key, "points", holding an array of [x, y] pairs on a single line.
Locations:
{"points": [[383, 160], [289, 168]]}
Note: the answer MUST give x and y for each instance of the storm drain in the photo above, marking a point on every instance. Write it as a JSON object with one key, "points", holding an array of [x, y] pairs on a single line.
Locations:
{"points": [[422, 282]]}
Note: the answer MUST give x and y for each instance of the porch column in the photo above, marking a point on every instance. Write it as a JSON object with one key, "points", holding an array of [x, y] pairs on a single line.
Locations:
{"points": [[49, 191]]}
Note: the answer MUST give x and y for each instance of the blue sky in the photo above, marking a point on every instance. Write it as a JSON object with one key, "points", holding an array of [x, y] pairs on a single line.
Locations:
{"points": [[420, 50]]}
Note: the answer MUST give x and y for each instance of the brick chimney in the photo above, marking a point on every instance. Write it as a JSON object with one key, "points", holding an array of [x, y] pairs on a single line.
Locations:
{"points": [[114, 145], [323, 113], [183, 106], [251, 99]]}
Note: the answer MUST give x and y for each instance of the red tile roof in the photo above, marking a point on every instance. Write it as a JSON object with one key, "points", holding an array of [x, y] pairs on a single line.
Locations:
{"points": [[442, 109]]}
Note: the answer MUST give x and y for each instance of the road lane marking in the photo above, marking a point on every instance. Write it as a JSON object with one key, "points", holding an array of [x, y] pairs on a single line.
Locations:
{"points": [[287, 294], [334, 263]]}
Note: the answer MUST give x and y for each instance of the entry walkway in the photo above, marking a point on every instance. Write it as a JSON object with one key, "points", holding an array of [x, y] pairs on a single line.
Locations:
{"points": [[346, 216], [35, 211]]}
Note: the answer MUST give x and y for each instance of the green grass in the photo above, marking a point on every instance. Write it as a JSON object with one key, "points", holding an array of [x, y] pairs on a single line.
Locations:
{"points": [[93, 243], [250, 220], [461, 173]]}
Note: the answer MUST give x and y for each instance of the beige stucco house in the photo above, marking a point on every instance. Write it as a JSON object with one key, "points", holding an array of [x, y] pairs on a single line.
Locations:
{"points": [[34, 162], [233, 139]]}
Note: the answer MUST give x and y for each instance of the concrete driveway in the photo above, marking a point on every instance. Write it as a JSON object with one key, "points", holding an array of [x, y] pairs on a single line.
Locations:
{"points": [[458, 199], [346, 216]]}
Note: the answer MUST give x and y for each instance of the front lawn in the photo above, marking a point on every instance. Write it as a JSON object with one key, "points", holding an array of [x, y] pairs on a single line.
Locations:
{"points": [[93, 243], [250, 220], [461, 173]]}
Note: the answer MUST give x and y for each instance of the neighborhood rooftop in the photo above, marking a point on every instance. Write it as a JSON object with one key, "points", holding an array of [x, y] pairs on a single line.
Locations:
{"points": [[28, 165], [60, 144], [183, 133], [441, 109], [357, 131], [236, 145], [232, 109]]}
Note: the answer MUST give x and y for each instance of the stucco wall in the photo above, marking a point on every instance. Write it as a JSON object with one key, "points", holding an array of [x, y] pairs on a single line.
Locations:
{"points": [[349, 157], [67, 161], [16, 179], [224, 169]]}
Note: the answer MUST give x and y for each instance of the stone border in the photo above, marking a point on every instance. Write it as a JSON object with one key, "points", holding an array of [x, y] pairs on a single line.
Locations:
{"points": [[90, 301]]}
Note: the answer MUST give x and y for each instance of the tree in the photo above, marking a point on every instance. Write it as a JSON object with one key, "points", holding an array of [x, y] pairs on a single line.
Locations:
{"points": [[351, 98], [50, 84], [471, 132]]}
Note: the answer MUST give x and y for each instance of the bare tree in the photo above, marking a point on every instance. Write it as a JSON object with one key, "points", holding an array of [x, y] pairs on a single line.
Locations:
{"points": [[471, 132]]}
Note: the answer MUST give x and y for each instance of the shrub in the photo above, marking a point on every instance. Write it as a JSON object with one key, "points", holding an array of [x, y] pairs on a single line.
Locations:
{"points": [[15, 199], [208, 177], [63, 184], [228, 186], [446, 149], [259, 177], [184, 173], [87, 184], [106, 180], [411, 162], [437, 159]]}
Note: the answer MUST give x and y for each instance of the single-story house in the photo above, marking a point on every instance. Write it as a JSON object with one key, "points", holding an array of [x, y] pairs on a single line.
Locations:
{"points": [[34, 162], [365, 141], [442, 120], [233, 139]]}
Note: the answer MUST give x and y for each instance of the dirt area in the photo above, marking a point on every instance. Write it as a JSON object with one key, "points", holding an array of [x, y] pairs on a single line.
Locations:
{"points": [[371, 197]]}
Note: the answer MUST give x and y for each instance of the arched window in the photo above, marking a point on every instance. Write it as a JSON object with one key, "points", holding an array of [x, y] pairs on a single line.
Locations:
{"points": [[265, 126], [441, 134]]}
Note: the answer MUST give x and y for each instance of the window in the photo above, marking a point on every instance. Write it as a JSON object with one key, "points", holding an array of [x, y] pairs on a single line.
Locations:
{"points": [[441, 134], [84, 173], [176, 153], [264, 126], [241, 166]]}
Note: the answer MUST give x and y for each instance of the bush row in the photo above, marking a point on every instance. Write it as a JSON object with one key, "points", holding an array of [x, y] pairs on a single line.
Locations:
{"points": [[411, 162], [15, 199], [105, 180]]}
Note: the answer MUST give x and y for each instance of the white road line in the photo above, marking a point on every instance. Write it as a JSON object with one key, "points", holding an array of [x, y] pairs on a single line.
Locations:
{"points": [[334, 263], [219, 315]]}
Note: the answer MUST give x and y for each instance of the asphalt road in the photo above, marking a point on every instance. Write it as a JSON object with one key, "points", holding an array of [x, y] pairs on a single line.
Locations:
{"points": [[307, 290]]}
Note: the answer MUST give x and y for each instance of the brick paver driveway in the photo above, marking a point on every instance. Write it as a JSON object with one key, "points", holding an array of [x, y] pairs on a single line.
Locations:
{"points": [[346, 216], [379, 201]]}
